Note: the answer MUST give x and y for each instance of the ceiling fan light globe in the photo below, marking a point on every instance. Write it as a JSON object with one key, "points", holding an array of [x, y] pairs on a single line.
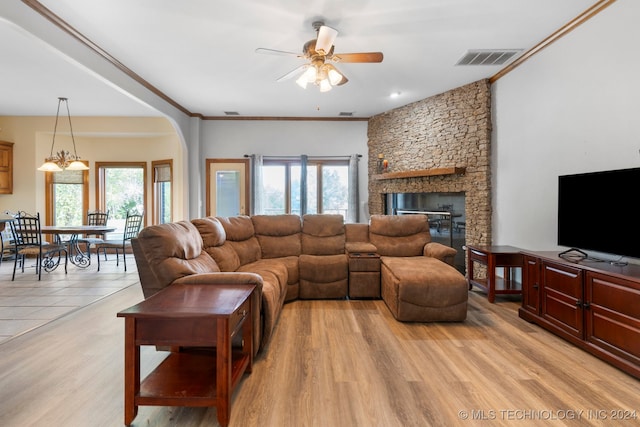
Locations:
{"points": [[302, 81], [335, 77], [311, 74], [325, 86]]}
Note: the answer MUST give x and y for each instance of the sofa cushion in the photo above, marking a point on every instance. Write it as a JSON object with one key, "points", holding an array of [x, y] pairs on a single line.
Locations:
{"points": [[225, 256], [322, 234], [293, 275], [278, 235], [269, 267], [274, 290], [399, 235], [327, 268], [211, 231], [214, 243], [241, 236]]}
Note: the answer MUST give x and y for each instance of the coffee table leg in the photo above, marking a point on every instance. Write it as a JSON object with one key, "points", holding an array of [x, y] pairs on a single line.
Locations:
{"points": [[131, 371], [223, 372]]}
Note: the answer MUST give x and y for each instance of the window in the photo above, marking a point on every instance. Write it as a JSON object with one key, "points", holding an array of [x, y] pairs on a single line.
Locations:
{"points": [[121, 188], [67, 197], [162, 185], [327, 186]]}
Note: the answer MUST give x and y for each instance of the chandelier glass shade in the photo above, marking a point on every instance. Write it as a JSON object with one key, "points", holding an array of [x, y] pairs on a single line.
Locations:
{"points": [[62, 159]]}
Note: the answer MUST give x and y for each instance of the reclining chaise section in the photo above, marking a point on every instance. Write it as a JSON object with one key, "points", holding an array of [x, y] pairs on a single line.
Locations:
{"points": [[416, 282]]}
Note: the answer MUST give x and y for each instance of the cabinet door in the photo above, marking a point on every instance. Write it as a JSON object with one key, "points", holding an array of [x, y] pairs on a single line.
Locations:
{"points": [[613, 315], [6, 167], [531, 285], [561, 295]]}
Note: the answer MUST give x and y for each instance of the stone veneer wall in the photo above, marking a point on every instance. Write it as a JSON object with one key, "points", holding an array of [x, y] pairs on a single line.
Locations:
{"points": [[452, 129]]}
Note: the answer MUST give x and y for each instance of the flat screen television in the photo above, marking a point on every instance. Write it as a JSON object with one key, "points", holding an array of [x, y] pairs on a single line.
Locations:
{"points": [[597, 211]]}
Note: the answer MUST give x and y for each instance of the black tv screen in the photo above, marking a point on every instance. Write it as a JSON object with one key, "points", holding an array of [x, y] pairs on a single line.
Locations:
{"points": [[597, 211]]}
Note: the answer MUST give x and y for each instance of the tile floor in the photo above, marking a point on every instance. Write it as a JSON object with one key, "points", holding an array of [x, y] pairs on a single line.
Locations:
{"points": [[27, 303]]}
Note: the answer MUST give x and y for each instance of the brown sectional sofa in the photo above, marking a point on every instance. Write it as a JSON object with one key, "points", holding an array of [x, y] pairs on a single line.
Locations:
{"points": [[288, 257]]}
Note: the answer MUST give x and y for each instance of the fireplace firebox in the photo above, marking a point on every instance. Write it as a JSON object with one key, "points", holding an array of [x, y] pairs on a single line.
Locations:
{"points": [[446, 214]]}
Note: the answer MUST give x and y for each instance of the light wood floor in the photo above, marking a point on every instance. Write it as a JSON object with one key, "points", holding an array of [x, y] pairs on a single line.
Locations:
{"points": [[330, 363]]}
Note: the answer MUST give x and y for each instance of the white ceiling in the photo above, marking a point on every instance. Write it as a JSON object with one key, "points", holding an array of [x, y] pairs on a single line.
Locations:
{"points": [[201, 53]]}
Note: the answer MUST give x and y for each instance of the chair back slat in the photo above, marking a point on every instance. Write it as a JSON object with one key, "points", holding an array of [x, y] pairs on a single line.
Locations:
{"points": [[26, 230], [132, 226], [97, 218]]}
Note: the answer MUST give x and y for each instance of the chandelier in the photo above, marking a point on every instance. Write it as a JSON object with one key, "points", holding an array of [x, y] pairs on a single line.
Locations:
{"points": [[62, 159]]}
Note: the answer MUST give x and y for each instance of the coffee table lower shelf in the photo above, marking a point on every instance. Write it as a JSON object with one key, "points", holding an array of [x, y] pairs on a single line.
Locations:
{"points": [[187, 379]]}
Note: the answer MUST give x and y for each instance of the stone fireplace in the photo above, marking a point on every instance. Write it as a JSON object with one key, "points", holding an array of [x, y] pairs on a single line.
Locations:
{"points": [[438, 145]]}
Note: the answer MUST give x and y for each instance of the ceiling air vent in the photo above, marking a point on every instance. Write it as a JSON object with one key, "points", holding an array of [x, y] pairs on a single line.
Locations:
{"points": [[346, 114], [231, 113], [487, 56]]}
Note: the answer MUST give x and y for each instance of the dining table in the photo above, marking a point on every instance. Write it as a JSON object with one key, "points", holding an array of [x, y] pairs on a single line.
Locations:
{"points": [[77, 256]]}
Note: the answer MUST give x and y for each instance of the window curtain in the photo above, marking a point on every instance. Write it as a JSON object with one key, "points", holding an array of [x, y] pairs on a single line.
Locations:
{"points": [[162, 173], [256, 184], [68, 177], [303, 184], [353, 213]]}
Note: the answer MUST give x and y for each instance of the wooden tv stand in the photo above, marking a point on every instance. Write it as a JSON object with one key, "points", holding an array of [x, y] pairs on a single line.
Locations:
{"points": [[594, 305]]}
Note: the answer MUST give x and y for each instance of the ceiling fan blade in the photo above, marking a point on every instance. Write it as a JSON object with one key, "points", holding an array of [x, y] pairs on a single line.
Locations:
{"points": [[293, 73], [326, 37], [357, 57], [266, 51]]}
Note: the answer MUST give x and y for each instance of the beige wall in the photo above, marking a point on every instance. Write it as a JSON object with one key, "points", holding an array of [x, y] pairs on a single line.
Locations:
{"points": [[97, 139]]}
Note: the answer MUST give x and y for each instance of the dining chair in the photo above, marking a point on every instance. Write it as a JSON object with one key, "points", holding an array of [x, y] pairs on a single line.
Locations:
{"points": [[96, 217], [6, 244], [28, 242], [6, 239], [132, 226]]}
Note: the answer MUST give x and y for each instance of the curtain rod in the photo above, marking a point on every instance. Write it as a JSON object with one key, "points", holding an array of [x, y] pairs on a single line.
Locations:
{"points": [[309, 157]]}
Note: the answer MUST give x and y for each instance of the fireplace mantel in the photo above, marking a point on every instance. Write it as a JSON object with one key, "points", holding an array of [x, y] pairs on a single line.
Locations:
{"points": [[421, 173]]}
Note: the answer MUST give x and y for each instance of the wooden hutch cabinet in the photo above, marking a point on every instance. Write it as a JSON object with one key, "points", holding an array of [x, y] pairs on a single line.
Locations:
{"points": [[6, 167], [594, 305]]}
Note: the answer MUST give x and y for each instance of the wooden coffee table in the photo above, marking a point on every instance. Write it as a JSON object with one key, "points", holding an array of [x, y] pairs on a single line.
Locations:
{"points": [[189, 316]]}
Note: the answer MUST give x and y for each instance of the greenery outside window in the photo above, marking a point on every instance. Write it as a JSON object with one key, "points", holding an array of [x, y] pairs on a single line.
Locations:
{"points": [[66, 197], [327, 186], [121, 188]]}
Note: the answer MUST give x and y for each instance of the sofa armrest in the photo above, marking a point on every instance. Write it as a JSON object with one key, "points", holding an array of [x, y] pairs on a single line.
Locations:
{"points": [[439, 251], [222, 278], [362, 247]]}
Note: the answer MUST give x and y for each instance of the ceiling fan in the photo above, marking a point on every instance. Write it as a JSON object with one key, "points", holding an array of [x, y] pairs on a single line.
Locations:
{"points": [[319, 52]]}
